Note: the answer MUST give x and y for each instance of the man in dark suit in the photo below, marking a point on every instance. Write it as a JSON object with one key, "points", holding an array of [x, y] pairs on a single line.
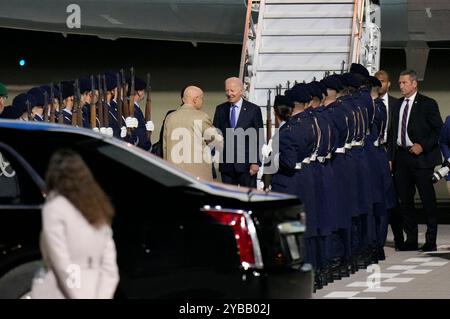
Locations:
{"points": [[240, 121], [395, 217], [414, 151]]}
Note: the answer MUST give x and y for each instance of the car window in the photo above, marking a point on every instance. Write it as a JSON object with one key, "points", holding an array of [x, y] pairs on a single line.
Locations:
{"points": [[19, 183], [9, 185]]}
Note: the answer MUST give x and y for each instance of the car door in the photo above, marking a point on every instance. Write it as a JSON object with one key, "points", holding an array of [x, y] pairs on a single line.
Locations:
{"points": [[22, 193]]}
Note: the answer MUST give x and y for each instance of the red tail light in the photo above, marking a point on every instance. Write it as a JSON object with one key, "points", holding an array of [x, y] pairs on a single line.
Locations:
{"points": [[244, 233]]}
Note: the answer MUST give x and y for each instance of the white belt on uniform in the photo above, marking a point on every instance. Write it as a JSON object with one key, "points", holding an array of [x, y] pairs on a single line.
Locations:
{"points": [[348, 146], [340, 150], [300, 165]]}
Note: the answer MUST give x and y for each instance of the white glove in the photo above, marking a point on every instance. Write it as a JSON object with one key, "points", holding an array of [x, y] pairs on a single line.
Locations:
{"points": [[266, 149], [150, 126], [109, 132], [261, 185], [95, 129], [131, 122], [123, 132], [103, 130]]}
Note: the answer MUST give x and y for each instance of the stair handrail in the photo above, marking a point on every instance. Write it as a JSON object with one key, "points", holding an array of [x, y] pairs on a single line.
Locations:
{"points": [[248, 18], [357, 29]]}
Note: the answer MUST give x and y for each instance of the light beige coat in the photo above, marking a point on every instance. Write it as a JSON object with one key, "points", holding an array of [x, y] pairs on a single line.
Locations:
{"points": [[80, 260], [188, 138]]}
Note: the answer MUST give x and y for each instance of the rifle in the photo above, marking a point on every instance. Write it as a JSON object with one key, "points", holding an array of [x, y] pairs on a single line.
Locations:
{"points": [[61, 103], [45, 106], [105, 103], [100, 101], [132, 93], [30, 118], [267, 178], [93, 111], [80, 107], [119, 101], [342, 67], [148, 105], [75, 105], [52, 104], [123, 92], [269, 116]]}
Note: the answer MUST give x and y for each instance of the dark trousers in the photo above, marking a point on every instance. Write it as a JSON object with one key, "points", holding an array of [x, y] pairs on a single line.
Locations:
{"points": [[407, 178], [242, 179], [396, 221]]}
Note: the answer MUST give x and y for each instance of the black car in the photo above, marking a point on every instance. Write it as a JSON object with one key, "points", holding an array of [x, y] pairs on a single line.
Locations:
{"points": [[176, 237]]}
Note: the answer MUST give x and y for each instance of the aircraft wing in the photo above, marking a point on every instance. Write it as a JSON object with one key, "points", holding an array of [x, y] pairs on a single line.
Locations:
{"points": [[220, 21]]}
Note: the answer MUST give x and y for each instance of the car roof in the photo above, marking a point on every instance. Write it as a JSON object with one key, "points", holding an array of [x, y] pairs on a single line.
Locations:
{"points": [[185, 179]]}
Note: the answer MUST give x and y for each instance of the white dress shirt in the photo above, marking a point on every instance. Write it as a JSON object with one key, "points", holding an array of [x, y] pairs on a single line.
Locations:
{"points": [[385, 99], [399, 136]]}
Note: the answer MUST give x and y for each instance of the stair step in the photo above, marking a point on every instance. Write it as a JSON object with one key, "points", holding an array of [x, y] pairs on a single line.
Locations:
{"points": [[307, 26], [311, 44], [320, 61], [266, 80], [309, 11], [307, 32], [307, 1]]}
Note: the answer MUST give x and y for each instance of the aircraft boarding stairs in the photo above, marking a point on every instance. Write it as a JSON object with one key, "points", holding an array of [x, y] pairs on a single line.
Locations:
{"points": [[301, 40]]}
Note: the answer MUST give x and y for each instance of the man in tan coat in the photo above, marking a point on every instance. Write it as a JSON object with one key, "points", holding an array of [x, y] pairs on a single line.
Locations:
{"points": [[189, 136]]}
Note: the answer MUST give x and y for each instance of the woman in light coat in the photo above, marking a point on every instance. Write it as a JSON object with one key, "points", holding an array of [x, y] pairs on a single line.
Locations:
{"points": [[76, 240]]}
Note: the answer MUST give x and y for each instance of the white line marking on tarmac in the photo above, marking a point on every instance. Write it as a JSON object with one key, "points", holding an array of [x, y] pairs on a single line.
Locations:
{"points": [[342, 294], [417, 271], [401, 267], [379, 289], [358, 284], [398, 280], [435, 263], [419, 260], [383, 275]]}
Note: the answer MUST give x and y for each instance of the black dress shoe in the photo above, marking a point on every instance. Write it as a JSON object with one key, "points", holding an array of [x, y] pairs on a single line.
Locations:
{"points": [[381, 255], [409, 247], [398, 246], [428, 247]]}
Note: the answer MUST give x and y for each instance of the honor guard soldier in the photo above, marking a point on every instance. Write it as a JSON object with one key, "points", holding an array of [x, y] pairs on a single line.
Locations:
{"points": [[111, 81], [86, 96], [67, 93], [22, 105], [338, 115], [3, 97], [139, 136], [306, 135], [37, 112], [444, 143]]}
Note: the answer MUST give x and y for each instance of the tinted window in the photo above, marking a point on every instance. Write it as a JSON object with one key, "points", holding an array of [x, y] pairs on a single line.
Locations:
{"points": [[9, 186]]}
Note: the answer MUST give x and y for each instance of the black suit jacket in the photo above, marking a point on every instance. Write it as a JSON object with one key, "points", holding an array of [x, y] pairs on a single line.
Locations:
{"points": [[424, 127], [392, 108], [250, 116]]}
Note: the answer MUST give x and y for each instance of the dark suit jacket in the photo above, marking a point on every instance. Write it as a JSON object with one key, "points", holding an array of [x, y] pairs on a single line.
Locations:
{"points": [[250, 116], [424, 127], [393, 106], [158, 147]]}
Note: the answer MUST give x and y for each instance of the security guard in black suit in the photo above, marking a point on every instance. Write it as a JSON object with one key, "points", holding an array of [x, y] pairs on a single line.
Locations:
{"points": [[415, 152]]}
